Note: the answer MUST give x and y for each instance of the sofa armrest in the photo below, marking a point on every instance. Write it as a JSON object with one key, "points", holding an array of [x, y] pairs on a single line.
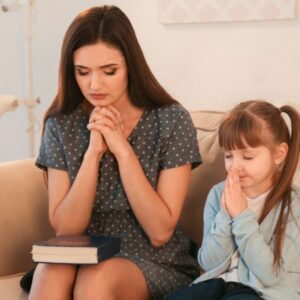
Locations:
{"points": [[23, 215]]}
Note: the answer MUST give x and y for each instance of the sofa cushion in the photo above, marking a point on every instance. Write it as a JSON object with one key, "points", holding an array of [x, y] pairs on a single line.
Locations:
{"points": [[24, 214], [210, 172], [10, 288]]}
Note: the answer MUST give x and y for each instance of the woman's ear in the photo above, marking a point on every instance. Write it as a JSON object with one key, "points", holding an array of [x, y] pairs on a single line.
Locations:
{"points": [[280, 153]]}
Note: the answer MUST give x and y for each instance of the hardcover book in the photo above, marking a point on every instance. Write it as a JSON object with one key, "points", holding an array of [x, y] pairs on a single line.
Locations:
{"points": [[81, 249]]}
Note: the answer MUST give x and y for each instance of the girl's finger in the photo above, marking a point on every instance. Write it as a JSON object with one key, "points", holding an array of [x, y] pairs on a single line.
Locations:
{"points": [[223, 201], [226, 191]]}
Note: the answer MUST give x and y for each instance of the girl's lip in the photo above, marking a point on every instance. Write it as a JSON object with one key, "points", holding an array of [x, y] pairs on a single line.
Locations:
{"points": [[98, 96]]}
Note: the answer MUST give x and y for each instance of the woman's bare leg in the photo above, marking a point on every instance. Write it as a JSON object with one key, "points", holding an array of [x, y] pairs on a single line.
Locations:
{"points": [[113, 279], [53, 281]]}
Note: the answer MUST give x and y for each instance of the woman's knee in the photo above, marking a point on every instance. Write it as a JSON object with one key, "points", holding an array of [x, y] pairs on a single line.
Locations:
{"points": [[93, 283], [52, 278], [113, 279]]}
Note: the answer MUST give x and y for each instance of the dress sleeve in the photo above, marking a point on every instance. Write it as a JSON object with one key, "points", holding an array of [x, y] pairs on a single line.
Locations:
{"points": [[51, 152], [181, 145]]}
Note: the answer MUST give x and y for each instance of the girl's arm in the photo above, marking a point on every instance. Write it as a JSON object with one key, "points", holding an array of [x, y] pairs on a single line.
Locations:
{"points": [[218, 245], [253, 240], [255, 251]]}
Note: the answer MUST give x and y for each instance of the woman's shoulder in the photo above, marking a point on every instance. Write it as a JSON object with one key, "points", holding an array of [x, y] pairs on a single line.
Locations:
{"points": [[174, 109], [171, 115], [66, 120]]}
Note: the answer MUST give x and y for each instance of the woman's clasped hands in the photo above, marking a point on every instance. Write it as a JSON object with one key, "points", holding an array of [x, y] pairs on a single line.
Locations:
{"points": [[107, 130]]}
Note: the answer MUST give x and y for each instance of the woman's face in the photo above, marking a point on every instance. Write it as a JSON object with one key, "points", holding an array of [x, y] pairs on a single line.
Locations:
{"points": [[101, 74]]}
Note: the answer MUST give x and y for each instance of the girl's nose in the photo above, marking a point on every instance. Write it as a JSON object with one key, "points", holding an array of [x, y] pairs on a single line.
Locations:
{"points": [[236, 165]]}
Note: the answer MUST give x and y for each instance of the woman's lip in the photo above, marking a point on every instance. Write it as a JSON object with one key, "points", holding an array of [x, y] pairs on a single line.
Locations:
{"points": [[98, 96]]}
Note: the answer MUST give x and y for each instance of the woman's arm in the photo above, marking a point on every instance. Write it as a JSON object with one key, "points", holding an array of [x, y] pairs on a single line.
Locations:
{"points": [[70, 207], [158, 210]]}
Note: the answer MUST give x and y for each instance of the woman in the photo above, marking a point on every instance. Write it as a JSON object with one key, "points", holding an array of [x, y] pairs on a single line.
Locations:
{"points": [[118, 151]]}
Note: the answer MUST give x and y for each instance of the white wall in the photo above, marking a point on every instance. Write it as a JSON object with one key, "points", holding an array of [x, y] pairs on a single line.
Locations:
{"points": [[204, 66]]}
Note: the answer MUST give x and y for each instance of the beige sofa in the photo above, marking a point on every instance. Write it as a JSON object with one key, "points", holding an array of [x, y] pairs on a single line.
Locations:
{"points": [[23, 204]]}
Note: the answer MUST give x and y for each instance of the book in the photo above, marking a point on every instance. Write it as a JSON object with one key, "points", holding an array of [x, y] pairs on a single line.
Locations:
{"points": [[81, 249]]}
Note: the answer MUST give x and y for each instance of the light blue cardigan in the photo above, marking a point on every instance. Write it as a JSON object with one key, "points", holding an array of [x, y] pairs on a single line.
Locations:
{"points": [[223, 234]]}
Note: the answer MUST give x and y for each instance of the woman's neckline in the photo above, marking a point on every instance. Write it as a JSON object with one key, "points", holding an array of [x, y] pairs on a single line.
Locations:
{"points": [[133, 130]]}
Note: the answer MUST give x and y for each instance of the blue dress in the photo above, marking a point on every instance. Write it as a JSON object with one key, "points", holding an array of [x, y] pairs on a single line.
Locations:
{"points": [[163, 138]]}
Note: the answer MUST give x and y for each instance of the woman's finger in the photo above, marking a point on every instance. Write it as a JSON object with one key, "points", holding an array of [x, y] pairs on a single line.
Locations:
{"points": [[110, 114], [94, 114], [116, 113], [101, 122]]}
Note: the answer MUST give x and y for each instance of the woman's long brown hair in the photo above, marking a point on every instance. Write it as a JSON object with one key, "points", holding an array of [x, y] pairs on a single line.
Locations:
{"points": [[110, 25], [257, 123]]}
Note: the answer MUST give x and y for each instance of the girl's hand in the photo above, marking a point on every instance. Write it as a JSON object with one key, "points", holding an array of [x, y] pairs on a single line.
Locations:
{"points": [[109, 123], [223, 202], [234, 199], [97, 144]]}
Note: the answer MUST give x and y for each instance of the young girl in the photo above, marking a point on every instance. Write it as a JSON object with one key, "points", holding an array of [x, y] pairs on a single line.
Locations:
{"points": [[251, 244], [118, 151]]}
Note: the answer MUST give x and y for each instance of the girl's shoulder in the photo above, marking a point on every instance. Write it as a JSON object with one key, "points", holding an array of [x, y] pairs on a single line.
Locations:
{"points": [[218, 188], [216, 191], [295, 204]]}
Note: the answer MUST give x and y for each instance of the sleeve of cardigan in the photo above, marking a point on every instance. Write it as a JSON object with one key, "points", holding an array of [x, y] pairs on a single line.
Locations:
{"points": [[218, 244]]}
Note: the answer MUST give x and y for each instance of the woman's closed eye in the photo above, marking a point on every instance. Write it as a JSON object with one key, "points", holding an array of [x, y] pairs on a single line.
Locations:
{"points": [[110, 72], [81, 73]]}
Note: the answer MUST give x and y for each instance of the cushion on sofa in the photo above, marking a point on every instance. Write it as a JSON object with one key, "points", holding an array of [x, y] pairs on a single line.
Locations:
{"points": [[10, 288], [24, 214], [210, 172]]}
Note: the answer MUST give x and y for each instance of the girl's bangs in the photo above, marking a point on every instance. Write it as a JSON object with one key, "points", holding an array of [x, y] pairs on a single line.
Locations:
{"points": [[241, 131]]}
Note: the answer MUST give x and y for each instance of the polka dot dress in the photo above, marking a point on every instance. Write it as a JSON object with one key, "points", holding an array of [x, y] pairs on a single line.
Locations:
{"points": [[163, 138]]}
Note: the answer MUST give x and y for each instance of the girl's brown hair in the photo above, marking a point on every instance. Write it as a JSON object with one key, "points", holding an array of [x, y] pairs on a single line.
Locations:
{"points": [[110, 25], [257, 123]]}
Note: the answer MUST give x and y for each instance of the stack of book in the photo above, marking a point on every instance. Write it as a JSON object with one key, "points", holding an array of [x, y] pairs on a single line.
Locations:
{"points": [[76, 249]]}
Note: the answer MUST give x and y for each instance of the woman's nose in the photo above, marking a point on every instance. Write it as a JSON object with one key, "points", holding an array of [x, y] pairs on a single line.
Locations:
{"points": [[96, 82]]}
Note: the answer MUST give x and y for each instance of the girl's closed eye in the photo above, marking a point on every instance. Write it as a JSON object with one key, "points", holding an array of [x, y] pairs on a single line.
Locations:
{"points": [[227, 155], [247, 157]]}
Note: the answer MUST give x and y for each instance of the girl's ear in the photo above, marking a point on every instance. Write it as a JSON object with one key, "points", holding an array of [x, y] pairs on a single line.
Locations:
{"points": [[280, 153]]}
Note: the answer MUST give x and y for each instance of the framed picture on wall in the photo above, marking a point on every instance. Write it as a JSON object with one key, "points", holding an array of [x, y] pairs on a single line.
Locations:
{"points": [[201, 11]]}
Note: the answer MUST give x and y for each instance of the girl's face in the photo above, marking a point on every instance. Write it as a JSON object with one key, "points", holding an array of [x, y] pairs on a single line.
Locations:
{"points": [[256, 167], [101, 74]]}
